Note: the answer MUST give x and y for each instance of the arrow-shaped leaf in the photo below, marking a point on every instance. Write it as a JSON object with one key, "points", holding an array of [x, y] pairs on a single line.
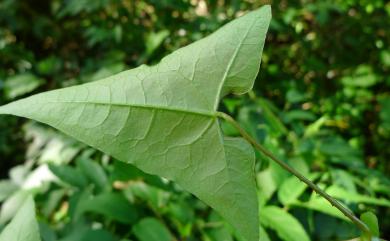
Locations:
{"points": [[162, 118]]}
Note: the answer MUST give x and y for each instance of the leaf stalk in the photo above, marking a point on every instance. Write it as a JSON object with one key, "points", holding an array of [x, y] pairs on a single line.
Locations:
{"points": [[348, 213]]}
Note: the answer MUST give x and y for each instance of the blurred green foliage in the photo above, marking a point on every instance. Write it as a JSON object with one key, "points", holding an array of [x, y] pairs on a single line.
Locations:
{"points": [[321, 103]]}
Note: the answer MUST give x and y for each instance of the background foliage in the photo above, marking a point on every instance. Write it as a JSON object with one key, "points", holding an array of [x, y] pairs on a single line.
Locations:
{"points": [[321, 102]]}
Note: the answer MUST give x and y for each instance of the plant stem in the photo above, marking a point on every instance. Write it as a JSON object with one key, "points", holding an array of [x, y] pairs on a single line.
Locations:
{"points": [[362, 226]]}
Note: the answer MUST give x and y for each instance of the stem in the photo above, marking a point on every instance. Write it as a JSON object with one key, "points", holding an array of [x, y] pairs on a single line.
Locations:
{"points": [[362, 226]]}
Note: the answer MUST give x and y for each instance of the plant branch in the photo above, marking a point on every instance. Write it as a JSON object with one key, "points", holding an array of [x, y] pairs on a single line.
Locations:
{"points": [[362, 226]]}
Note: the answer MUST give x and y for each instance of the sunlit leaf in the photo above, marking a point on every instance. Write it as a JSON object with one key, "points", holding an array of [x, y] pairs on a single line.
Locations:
{"points": [[371, 220], [162, 118], [24, 226], [284, 224], [21, 84], [151, 229]]}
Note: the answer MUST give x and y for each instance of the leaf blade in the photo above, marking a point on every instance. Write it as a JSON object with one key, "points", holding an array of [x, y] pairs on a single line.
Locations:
{"points": [[162, 118], [24, 226]]}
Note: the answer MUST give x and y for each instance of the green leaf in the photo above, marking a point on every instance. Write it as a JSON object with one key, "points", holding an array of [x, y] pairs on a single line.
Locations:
{"points": [[24, 226], [69, 175], [112, 205], [292, 188], [11, 205], [285, 225], [154, 40], [263, 235], [151, 229], [93, 172], [162, 118], [340, 193], [7, 188], [156, 197], [21, 84], [85, 234], [371, 220], [219, 231], [319, 204]]}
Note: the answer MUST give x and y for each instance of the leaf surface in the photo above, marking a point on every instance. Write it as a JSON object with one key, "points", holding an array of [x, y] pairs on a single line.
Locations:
{"points": [[286, 226], [24, 226], [151, 229], [162, 118]]}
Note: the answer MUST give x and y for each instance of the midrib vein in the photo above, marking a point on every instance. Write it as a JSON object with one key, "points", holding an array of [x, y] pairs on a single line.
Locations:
{"points": [[143, 106]]}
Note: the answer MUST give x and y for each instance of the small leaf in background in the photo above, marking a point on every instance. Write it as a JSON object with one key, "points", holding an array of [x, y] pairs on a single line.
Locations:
{"points": [[94, 172], [319, 204], [151, 229], [341, 193], [362, 77], [154, 40], [49, 65], [21, 84], [263, 234], [384, 115], [12, 204], [385, 57], [292, 188], [216, 229], [7, 188], [69, 175], [267, 185], [294, 96], [343, 179], [124, 172], [272, 120], [24, 226], [298, 115], [155, 197], [370, 219], [284, 224], [87, 234], [112, 205]]}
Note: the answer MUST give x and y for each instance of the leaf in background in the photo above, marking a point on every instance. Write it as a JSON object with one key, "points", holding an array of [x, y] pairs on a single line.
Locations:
{"points": [[292, 188], [218, 231], [272, 120], [300, 115], [371, 221], [267, 185], [385, 57], [284, 224], [12, 204], [154, 40], [263, 234], [112, 205], [124, 172], [319, 204], [343, 179], [24, 226], [162, 118], [94, 173], [151, 229], [7, 188], [49, 65], [156, 197], [69, 175], [340, 151], [21, 84], [384, 115], [362, 77], [87, 234], [340, 193]]}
